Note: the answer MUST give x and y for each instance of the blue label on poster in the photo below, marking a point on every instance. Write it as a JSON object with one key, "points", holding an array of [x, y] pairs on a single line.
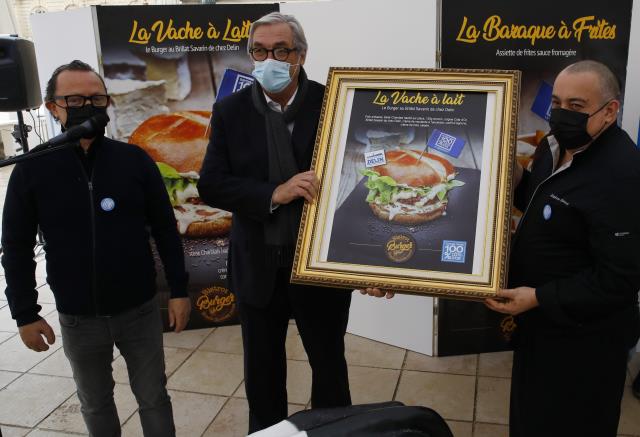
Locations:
{"points": [[542, 103], [233, 81], [453, 251], [446, 143]]}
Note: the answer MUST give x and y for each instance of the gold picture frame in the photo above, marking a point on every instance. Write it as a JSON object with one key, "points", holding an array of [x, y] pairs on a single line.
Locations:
{"points": [[415, 170]]}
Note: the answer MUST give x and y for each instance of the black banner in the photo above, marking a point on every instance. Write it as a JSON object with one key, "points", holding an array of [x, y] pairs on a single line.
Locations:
{"points": [[540, 39]]}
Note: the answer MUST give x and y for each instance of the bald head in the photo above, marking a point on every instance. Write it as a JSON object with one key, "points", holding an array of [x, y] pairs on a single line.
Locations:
{"points": [[608, 86]]}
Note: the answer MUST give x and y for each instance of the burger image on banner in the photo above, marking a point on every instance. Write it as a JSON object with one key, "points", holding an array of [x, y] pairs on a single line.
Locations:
{"points": [[177, 142], [411, 188]]}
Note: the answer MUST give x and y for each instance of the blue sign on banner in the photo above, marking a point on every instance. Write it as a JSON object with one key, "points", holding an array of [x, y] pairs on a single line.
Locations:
{"points": [[233, 81], [446, 143], [542, 103]]}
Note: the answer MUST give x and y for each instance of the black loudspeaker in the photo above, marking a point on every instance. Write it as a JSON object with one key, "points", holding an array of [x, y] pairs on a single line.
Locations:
{"points": [[19, 83]]}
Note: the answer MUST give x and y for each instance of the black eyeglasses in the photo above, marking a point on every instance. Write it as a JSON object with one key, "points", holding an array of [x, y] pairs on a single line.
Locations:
{"points": [[279, 53], [78, 101]]}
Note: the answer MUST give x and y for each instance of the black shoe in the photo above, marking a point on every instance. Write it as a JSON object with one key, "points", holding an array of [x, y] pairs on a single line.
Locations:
{"points": [[636, 386]]}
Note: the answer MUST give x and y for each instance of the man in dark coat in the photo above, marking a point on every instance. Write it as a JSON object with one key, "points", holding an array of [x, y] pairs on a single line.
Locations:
{"points": [[257, 166]]}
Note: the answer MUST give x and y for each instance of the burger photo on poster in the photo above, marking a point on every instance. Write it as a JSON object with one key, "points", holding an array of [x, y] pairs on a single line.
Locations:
{"points": [[411, 188], [177, 142]]}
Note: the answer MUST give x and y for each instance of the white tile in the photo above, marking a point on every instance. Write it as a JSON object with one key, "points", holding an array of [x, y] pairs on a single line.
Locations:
{"points": [[294, 345], [24, 402], [226, 339], [68, 417], [15, 356], [460, 364], [8, 324], [371, 384], [629, 414], [189, 339], [452, 396], [4, 336], [210, 373], [192, 414], [45, 295], [497, 364], [56, 364], [7, 377], [45, 433], [460, 429], [12, 431], [174, 357], [233, 420], [54, 321], [492, 400], [298, 382], [361, 351]]}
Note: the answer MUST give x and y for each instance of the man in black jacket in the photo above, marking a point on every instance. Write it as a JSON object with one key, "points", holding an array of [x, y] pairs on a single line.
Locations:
{"points": [[95, 203], [575, 265], [256, 166]]}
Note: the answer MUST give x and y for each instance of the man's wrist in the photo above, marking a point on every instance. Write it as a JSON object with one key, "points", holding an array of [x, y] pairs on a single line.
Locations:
{"points": [[273, 205]]}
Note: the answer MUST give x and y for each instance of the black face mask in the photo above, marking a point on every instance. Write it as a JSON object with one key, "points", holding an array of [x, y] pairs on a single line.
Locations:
{"points": [[569, 128], [77, 116]]}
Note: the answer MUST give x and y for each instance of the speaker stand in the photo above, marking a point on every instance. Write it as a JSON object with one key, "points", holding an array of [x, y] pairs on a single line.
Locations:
{"points": [[21, 132]]}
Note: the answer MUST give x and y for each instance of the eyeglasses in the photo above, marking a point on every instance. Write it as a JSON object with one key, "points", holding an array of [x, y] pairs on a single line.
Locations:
{"points": [[279, 53], [78, 101]]}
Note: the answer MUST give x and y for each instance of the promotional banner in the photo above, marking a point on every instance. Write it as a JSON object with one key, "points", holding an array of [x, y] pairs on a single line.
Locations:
{"points": [[540, 40], [164, 67]]}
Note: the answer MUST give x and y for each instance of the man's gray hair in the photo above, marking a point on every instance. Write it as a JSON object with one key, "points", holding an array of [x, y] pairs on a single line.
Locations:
{"points": [[609, 83], [299, 40]]}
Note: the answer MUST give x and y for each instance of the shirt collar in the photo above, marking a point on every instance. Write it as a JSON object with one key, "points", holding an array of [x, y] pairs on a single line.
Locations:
{"points": [[275, 106]]}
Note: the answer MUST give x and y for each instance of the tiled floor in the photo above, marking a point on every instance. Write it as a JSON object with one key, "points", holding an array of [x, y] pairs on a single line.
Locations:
{"points": [[204, 368]]}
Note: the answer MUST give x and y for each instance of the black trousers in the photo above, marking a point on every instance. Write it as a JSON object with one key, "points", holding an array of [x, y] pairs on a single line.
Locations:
{"points": [[321, 315], [568, 385]]}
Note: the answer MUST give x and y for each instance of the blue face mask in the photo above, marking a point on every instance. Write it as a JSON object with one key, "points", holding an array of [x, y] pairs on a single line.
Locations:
{"points": [[273, 75]]}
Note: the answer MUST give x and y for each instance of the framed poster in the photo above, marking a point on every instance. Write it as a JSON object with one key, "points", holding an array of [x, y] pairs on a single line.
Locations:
{"points": [[415, 170]]}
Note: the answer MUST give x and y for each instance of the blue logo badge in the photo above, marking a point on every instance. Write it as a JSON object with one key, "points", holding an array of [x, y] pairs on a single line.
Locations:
{"points": [[446, 143], [542, 102], [453, 251], [233, 81], [546, 212], [107, 204]]}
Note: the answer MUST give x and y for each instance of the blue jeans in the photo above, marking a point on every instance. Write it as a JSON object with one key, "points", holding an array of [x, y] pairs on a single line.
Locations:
{"points": [[88, 344]]}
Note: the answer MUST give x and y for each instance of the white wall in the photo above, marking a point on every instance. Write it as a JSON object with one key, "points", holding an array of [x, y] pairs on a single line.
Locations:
{"points": [[55, 47], [367, 33], [631, 113]]}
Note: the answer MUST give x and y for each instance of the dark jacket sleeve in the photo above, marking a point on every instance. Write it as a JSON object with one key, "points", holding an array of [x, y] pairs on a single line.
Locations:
{"points": [[19, 228], [164, 230], [612, 283], [521, 193], [220, 187]]}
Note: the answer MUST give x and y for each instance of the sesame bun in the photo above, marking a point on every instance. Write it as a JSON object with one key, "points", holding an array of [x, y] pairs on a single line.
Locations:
{"points": [[178, 139]]}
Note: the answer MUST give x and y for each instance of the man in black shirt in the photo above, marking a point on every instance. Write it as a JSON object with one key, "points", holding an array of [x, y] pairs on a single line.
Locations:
{"points": [[95, 203], [574, 271]]}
